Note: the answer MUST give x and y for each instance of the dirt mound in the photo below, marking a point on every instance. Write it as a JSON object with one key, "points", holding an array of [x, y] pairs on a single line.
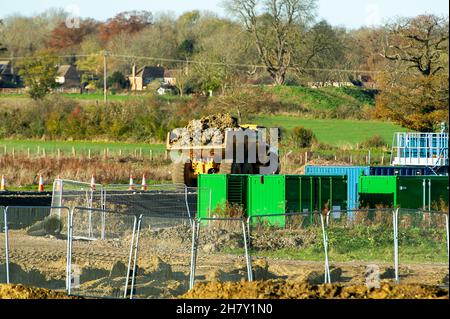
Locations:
{"points": [[279, 239], [205, 131], [22, 292], [280, 289]]}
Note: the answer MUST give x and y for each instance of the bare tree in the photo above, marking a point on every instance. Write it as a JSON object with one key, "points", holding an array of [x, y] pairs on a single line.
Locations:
{"points": [[414, 86], [275, 27], [419, 42]]}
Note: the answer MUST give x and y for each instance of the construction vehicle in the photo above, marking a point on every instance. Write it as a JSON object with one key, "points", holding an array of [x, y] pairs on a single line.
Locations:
{"points": [[215, 158]]}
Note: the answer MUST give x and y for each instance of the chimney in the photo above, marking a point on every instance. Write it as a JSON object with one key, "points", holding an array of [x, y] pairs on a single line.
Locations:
{"points": [[134, 70]]}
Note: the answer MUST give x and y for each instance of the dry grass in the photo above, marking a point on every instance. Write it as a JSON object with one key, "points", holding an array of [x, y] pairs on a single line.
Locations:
{"points": [[23, 171]]}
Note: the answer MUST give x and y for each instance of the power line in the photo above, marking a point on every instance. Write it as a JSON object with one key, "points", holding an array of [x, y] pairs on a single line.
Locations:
{"points": [[226, 64]]}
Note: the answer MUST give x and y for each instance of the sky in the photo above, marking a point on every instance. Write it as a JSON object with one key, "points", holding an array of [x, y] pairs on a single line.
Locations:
{"points": [[348, 13]]}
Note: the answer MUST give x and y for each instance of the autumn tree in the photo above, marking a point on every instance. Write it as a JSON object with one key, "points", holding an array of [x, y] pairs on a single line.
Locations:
{"points": [[414, 88], [63, 37], [274, 26], [39, 74], [127, 22]]}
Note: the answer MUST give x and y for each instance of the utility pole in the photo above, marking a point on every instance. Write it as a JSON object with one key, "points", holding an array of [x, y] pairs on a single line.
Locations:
{"points": [[105, 89]]}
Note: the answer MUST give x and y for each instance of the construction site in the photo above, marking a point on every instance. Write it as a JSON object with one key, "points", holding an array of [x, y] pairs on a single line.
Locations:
{"points": [[334, 232]]}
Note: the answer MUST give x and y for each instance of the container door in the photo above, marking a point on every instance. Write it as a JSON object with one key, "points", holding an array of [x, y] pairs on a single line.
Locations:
{"points": [[267, 197], [212, 194]]}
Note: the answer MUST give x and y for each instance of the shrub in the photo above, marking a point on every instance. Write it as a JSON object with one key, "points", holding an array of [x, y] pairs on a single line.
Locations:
{"points": [[375, 141], [302, 137]]}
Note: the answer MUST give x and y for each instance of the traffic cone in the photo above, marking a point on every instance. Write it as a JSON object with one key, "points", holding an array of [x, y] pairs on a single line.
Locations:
{"points": [[144, 183], [131, 188], [3, 184], [41, 183], [93, 182]]}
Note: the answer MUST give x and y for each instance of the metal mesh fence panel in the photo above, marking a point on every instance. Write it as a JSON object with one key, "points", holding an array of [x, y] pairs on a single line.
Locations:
{"points": [[220, 251], [361, 246], [100, 261], [77, 194], [422, 247], [36, 247], [163, 257], [158, 200], [288, 246]]}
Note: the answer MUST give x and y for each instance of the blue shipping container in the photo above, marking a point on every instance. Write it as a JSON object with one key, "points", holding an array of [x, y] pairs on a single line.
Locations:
{"points": [[352, 173]]}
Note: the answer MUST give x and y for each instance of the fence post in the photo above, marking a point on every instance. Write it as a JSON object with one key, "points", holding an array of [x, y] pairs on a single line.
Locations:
{"points": [[129, 259], [195, 227], [446, 226], [136, 248], [395, 225], [247, 255], [5, 215], [325, 245]]}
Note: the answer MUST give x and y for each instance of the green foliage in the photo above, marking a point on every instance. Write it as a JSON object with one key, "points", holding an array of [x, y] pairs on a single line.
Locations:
{"points": [[302, 137], [375, 141], [39, 74]]}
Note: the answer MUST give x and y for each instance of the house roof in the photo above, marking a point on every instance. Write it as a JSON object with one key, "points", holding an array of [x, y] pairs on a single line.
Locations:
{"points": [[170, 73], [150, 72], [5, 66], [63, 69]]}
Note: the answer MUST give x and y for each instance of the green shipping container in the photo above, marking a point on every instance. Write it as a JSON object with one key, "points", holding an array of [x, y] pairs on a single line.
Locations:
{"points": [[215, 190], [266, 196], [307, 193], [415, 192]]}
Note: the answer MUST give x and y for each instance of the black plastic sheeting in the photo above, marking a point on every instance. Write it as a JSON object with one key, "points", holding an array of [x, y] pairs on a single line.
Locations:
{"points": [[25, 199]]}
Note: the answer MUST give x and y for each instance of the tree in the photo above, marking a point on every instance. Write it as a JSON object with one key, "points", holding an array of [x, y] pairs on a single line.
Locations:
{"points": [[63, 37], [2, 48], [117, 80], [322, 48], [39, 74], [127, 22], [414, 88], [275, 27]]}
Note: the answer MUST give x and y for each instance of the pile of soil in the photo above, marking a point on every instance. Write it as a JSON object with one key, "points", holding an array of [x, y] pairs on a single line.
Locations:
{"points": [[209, 130], [280, 289], [22, 292]]}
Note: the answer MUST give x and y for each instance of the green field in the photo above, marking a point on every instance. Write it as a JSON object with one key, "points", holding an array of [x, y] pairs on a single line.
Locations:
{"points": [[332, 131], [83, 147], [329, 131]]}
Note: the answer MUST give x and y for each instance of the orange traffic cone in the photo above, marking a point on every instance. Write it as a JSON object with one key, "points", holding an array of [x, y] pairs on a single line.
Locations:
{"points": [[41, 183], [93, 182], [3, 184], [131, 188], [144, 183]]}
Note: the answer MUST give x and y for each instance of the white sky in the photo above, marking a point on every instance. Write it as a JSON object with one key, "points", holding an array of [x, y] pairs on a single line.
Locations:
{"points": [[349, 13]]}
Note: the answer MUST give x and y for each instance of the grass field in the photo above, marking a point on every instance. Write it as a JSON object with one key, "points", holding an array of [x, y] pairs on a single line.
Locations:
{"points": [[332, 131], [83, 147]]}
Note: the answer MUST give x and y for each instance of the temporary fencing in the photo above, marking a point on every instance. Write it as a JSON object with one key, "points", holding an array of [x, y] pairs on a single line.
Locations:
{"points": [[294, 236], [220, 250], [423, 254], [162, 257], [34, 246], [100, 256]]}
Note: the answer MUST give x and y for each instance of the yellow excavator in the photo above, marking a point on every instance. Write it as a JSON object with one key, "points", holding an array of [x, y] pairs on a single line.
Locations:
{"points": [[198, 158]]}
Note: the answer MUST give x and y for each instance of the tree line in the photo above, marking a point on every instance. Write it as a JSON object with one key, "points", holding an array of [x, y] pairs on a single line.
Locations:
{"points": [[262, 42]]}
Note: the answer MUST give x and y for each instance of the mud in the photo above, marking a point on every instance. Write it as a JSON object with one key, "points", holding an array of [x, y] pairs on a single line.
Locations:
{"points": [[22, 292], [281, 289]]}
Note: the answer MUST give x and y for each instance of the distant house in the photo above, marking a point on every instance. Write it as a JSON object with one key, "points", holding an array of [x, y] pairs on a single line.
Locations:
{"points": [[68, 76], [139, 79], [6, 71], [170, 78]]}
